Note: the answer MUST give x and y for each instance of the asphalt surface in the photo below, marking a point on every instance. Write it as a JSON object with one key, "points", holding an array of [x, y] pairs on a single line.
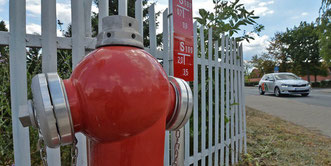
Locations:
{"points": [[313, 112], [318, 97]]}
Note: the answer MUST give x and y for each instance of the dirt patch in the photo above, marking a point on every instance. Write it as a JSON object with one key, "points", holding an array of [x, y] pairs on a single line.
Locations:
{"points": [[273, 141]]}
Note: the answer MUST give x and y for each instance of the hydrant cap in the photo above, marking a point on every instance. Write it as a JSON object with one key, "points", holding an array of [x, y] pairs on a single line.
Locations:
{"points": [[119, 30]]}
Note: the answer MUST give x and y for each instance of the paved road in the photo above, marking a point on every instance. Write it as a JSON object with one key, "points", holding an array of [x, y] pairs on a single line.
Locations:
{"points": [[318, 97], [313, 112]]}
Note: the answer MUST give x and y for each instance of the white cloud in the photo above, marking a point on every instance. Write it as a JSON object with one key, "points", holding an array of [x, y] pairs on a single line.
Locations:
{"points": [[33, 28], [160, 7], [261, 8], [248, 2], [256, 46], [2, 3], [300, 16], [33, 7], [59, 33], [266, 3], [262, 11], [63, 12], [304, 14], [202, 4], [94, 8]]}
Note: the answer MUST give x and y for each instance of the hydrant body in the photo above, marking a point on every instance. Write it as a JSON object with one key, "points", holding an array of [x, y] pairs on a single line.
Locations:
{"points": [[120, 97]]}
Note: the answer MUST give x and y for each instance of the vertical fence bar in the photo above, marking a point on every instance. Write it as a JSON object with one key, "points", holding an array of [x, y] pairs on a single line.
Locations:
{"points": [[165, 37], [227, 102], [87, 17], [166, 149], [49, 57], [216, 103], [210, 96], [240, 103], [236, 99], [152, 30], [139, 16], [203, 97], [103, 12], [187, 143], [166, 68], [222, 100], [243, 97], [18, 79], [48, 31], [195, 97], [232, 100], [123, 7], [78, 52]]}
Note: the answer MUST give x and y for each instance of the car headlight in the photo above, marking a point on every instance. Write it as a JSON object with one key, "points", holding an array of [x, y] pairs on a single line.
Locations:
{"points": [[285, 85]]}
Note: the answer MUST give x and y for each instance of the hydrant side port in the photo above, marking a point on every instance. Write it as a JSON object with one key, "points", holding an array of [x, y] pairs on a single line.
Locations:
{"points": [[117, 92]]}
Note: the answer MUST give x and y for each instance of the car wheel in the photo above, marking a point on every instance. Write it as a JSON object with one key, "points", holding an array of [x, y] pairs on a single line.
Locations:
{"points": [[305, 94], [261, 92], [277, 92]]}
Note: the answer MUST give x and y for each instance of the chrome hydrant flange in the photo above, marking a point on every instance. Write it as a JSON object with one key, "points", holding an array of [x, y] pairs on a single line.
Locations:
{"points": [[49, 111], [61, 108], [184, 104], [44, 111]]}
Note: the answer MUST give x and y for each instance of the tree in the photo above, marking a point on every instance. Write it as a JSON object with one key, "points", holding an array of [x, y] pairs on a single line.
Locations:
{"points": [[264, 63], [324, 31], [276, 50], [302, 46], [229, 17]]}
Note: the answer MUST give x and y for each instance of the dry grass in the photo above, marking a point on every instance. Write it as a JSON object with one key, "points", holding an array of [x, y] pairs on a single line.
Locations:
{"points": [[272, 141]]}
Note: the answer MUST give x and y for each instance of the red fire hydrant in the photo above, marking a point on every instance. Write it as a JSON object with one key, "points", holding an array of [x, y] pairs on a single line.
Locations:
{"points": [[119, 96]]}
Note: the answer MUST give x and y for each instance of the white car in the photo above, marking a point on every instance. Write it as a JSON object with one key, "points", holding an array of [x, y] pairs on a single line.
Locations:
{"points": [[283, 83]]}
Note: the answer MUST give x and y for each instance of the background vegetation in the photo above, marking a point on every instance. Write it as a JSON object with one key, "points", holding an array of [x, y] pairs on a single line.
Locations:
{"points": [[304, 49]]}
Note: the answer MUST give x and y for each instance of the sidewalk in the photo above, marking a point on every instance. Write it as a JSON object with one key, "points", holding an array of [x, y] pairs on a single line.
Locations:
{"points": [[325, 90]]}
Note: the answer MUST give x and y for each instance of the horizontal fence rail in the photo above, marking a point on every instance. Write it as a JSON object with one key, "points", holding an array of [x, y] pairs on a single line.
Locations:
{"points": [[216, 132]]}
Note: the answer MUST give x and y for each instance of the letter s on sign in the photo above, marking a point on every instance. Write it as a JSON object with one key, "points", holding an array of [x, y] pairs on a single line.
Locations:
{"points": [[182, 48]]}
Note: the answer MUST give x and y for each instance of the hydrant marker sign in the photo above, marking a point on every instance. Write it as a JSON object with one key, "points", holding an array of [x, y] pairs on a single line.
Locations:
{"points": [[183, 39]]}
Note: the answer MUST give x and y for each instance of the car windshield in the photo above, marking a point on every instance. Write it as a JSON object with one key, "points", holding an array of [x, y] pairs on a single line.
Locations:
{"points": [[286, 77]]}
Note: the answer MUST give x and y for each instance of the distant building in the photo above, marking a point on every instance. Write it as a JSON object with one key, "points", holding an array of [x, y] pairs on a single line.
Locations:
{"points": [[255, 76]]}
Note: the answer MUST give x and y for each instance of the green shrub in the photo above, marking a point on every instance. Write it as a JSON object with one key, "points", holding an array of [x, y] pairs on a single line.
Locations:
{"points": [[251, 83], [326, 84], [316, 84]]}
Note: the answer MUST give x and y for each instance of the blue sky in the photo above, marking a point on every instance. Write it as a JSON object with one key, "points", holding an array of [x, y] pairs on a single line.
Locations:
{"points": [[275, 15]]}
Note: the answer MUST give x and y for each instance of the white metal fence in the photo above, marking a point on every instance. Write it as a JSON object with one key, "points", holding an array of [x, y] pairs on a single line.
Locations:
{"points": [[215, 134]]}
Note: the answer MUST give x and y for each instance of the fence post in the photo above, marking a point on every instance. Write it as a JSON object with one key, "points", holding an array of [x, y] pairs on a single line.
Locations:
{"points": [[139, 16], [103, 12], [210, 96], [78, 52], [87, 17], [152, 30], [18, 80], [49, 58], [195, 95], [203, 96], [123, 7]]}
